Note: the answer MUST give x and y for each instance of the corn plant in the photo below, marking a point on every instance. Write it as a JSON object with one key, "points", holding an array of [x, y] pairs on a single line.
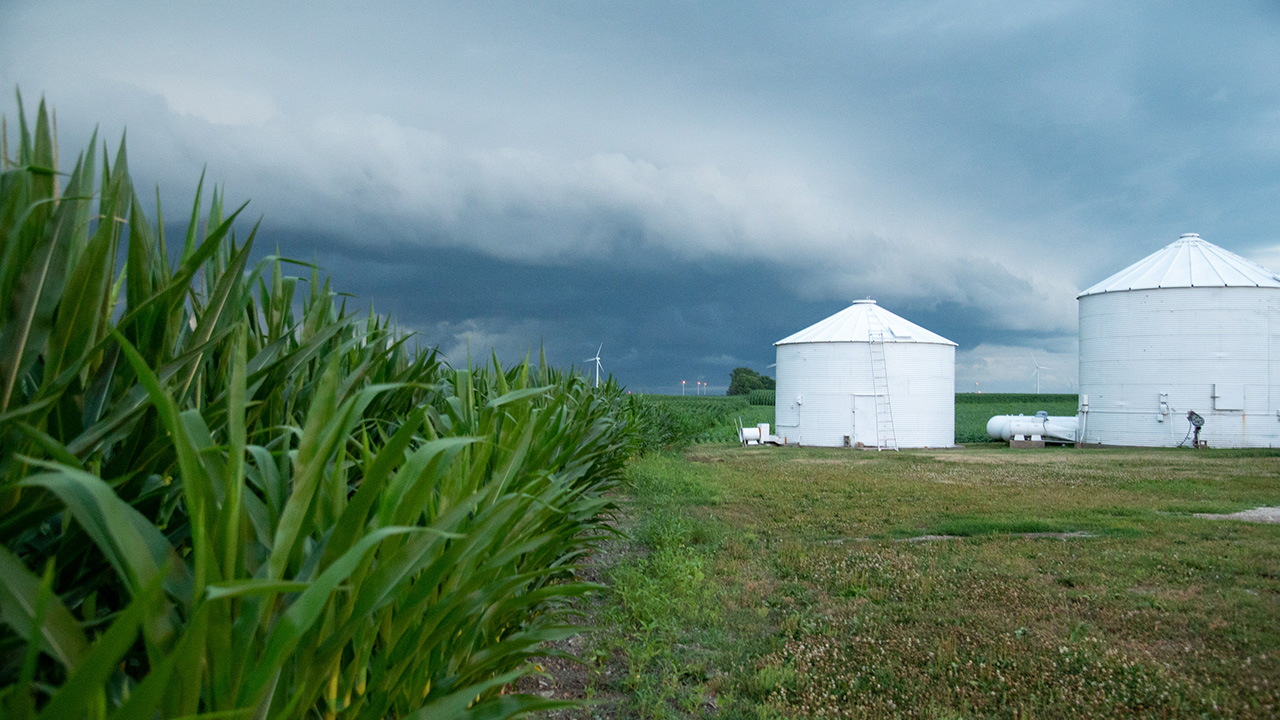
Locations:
{"points": [[227, 495]]}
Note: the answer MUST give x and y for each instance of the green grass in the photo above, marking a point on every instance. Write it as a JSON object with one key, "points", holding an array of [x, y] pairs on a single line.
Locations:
{"points": [[970, 526], [809, 597]]}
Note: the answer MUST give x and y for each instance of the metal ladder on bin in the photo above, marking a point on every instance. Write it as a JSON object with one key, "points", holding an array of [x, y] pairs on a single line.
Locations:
{"points": [[885, 437]]}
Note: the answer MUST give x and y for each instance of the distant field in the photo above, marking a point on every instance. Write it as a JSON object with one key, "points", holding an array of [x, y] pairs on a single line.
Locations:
{"points": [[973, 410], [702, 419], [706, 418]]}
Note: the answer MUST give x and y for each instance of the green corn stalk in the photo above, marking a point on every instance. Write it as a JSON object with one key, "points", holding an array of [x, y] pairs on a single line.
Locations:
{"points": [[249, 502]]}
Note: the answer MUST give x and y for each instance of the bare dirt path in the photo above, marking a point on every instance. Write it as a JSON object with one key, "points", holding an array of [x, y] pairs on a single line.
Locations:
{"points": [[1260, 514]]}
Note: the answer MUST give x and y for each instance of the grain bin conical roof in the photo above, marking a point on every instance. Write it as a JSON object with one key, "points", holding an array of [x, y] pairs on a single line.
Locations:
{"points": [[855, 324], [1190, 261]]}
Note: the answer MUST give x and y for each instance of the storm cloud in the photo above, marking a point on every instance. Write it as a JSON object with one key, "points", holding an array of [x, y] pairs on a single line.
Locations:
{"points": [[687, 183]]}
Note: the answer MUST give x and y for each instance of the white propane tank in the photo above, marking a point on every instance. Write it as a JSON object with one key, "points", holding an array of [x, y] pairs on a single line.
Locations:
{"points": [[750, 436], [1061, 428]]}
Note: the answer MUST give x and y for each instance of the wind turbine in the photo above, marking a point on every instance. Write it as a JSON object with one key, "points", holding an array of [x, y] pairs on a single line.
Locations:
{"points": [[1036, 372], [597, 362]]}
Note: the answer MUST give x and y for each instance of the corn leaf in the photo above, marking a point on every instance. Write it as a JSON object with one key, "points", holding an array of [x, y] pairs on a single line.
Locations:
{"points": [[58, 629]]}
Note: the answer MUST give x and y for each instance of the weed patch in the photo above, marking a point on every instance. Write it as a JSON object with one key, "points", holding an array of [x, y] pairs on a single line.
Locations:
{"points": [[666, 480], [973, 526]]}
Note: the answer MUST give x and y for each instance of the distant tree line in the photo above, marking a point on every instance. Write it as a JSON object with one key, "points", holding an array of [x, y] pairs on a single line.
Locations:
{"points": [[743, 380]]}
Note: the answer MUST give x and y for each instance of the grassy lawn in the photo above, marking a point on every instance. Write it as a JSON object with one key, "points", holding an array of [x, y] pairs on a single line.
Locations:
{"points": [[984, 582]]}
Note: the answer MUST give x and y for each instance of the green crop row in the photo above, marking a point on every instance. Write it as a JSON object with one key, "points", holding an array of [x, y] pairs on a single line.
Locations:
{"points": [[676, 420], [224, 494], [973, 410], [672, 420], [1002, 399]]}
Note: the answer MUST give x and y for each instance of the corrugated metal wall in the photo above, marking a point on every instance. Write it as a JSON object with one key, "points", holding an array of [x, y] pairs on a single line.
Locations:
{"points": [[1149, 356], [835, 386]]}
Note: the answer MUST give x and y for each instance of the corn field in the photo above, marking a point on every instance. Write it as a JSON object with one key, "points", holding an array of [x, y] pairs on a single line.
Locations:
{"points": [[226, 494]]}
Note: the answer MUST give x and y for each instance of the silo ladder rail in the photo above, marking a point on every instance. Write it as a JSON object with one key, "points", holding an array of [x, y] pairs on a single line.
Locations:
{"points": [[885, 437]]}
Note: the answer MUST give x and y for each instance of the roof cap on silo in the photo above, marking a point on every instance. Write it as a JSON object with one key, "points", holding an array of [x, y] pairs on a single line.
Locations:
{"points": [[1189, 261], [853, 324]]}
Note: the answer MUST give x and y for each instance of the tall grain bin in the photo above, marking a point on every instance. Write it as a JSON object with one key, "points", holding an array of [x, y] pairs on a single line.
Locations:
{"points": [[866, 376], [1191, 327]]}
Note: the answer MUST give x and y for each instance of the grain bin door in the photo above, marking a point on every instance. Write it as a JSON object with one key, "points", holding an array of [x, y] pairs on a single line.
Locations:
{"points": [[864, 420]]}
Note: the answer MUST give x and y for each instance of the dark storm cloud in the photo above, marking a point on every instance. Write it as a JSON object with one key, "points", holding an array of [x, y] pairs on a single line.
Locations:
{"points": [[655, 325], [687, 183]]}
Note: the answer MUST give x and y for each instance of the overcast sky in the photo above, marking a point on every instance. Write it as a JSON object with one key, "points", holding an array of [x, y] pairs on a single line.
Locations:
{"points": [[686, 183]]}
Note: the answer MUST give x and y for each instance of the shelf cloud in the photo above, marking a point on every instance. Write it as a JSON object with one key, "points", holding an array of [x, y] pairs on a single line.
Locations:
{"points": [[688, 184]]}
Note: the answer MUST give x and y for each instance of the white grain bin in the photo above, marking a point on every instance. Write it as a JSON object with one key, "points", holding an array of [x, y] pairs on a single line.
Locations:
{"points": [[1191, 327], [866, 376]]}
